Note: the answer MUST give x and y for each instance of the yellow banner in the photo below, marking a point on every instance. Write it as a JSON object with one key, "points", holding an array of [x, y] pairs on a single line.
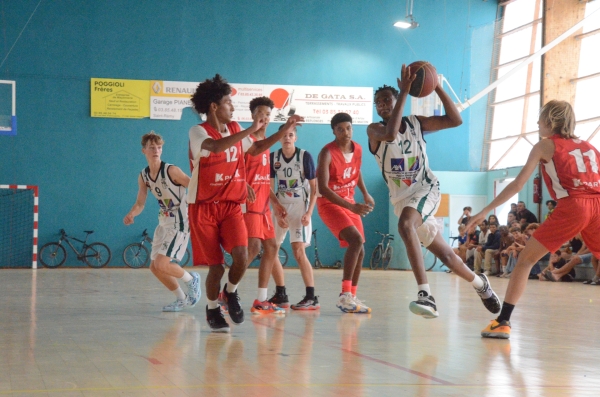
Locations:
{"points": [[116, 98]]}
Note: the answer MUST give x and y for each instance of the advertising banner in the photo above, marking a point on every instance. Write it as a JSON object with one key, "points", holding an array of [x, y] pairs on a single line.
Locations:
{"points": [[116, 98]]}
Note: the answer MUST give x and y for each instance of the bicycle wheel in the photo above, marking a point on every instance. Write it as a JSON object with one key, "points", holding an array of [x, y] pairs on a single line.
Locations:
{"points": [[337, 265], [97, 255], [387, 256], [186, 258], [429, 260], [283, 256], [52, 255], [318, 264], [136, 255], [376, 257], [228, 258]]}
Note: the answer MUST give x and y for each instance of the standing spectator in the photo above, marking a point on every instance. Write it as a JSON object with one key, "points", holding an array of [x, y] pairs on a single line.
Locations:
{"points": [[551, 204], [524, 213]]}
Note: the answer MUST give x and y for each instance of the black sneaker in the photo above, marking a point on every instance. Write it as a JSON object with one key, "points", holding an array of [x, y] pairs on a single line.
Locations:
{"points": [[216, 321], [307, 304], [232, 301], [280, 300], [424, 306], [492, 302]]}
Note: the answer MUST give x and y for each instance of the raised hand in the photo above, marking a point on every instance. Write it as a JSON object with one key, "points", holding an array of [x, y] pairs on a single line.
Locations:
{"points": [[407, 78]]}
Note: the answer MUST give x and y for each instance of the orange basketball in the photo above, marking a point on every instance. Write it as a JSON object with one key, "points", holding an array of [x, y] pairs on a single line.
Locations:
{"points": [[426, 80]]}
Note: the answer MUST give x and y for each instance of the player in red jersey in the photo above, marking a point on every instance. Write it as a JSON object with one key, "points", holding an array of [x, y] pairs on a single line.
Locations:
{"points": [[338, 173], [216, 191], [570, 169]]}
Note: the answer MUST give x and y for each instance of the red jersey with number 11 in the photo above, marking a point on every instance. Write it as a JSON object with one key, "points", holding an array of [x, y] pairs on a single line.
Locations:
{"points": [[573, 170]]}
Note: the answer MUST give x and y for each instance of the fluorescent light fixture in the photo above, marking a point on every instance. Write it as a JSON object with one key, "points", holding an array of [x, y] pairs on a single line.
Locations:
{"points": [[408, 22]]}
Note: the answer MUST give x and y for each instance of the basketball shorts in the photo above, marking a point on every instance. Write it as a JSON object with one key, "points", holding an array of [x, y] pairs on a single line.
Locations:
{"points": [[572, 215], [426, 200], [298, 232], [215, 225], [337, 219], [169, 242], [260, 225]]}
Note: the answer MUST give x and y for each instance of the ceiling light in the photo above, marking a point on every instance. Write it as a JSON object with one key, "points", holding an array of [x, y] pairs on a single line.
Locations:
{"points": [[408, 22]]}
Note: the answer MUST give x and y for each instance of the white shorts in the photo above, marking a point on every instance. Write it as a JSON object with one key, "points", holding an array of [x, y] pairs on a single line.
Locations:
{"points": [[426, 200], [169, 242], [298, 232]]}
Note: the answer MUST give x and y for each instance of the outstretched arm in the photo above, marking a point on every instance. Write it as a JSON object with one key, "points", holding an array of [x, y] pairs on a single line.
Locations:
{"points": [[140, 202], [542, 150], [260, 146], [451, 119], [220, 145]]}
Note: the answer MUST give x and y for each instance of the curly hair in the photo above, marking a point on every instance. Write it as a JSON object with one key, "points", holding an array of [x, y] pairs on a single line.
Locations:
{"points": [[340, 118], [394, 91], [261, 101], [152, 137], [210, 91], [560, 117]]}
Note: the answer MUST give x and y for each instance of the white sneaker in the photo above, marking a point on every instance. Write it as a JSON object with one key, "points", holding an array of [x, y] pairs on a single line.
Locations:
{"points": [[424, 306], [176, 306], [361, 307], [346, 303]]}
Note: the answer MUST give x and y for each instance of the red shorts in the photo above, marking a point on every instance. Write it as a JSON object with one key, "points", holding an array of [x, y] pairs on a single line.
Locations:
{"points": [[260, 225], [571, 216], [213, 225], [337, 218]]}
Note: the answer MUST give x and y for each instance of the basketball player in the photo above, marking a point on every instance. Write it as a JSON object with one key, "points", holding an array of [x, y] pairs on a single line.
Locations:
{"points": [[217, 190], [570, 169], [293, 178], [338, 173], [398, 145], [167, 183], [257, 215]]}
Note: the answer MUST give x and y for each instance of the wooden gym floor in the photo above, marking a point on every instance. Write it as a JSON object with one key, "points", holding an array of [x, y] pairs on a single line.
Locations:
{"points": [[88, 332]]}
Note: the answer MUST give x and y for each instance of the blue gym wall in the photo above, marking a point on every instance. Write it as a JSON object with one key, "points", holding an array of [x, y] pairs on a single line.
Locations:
{"points": [[86, 168]]}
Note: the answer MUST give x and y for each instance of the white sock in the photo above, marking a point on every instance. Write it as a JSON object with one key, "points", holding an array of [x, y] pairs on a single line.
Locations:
{"points": [[477, 282], [212, 304], [595, 279], [262, 294], [186, 278], [424, 287], [179, 293], [231, 287]]}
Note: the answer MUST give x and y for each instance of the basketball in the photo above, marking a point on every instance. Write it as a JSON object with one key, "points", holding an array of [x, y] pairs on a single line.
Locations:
{"points": [[426, 80]]}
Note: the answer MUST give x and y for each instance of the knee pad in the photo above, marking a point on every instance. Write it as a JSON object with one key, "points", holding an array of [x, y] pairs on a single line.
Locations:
{"points": [[427, 231]]}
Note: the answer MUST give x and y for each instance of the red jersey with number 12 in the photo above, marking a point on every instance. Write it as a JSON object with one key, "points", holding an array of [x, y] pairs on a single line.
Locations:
{"points": [[573, 170], [258, 174], [343, 176], [222, 176]]}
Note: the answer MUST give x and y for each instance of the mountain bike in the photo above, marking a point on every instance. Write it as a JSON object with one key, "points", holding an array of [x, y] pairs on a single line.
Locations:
{"points": [[283, 257], [136, 255], [318, 264], [383, 252], [429, 260], [94, 255]]}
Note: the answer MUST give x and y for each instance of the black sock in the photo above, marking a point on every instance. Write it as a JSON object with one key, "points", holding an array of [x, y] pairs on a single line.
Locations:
{"points": [[280, 290], [505, 313], [310, 292]]}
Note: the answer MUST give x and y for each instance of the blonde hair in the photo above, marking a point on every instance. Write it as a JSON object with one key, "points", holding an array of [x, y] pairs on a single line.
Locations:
{"points": [[559, 115], [152, 137]]}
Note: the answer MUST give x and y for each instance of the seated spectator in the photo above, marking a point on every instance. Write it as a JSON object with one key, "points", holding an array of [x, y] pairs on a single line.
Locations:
{"points": [[512, 252], [500, 259], [536, 269], [476, 239], [596, 279], [513, 207], [515, 223], [557, 263], [510, 218], [462, 240], [550, 204], [582, 255], [465, 216], [523, 212], [572, 246], [493, 218], [487, 251]]}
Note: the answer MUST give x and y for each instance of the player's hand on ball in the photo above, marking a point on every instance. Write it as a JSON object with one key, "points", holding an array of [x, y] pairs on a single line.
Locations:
{"points": [[407, 78]]}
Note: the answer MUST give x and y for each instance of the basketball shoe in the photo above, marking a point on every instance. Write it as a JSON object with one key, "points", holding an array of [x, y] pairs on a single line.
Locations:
{"points": [[216, 321], [176, 306], [361, 307], [193, 289], [232, 303], [424, 306], [346, 303], [497, 330], [280, 299], [488, 296], [265, 307], [307, 304]]}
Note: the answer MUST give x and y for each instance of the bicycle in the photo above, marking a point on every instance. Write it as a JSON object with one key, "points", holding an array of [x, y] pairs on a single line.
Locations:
{"points": [[283, 257], [96, 255], [136, 255], [318, 263], [429, 259], [383, 252]]}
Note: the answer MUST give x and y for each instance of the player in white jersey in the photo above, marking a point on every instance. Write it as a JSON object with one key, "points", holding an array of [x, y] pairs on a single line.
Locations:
{"points": [[167, 183], [293, 178], [399, 147]]}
